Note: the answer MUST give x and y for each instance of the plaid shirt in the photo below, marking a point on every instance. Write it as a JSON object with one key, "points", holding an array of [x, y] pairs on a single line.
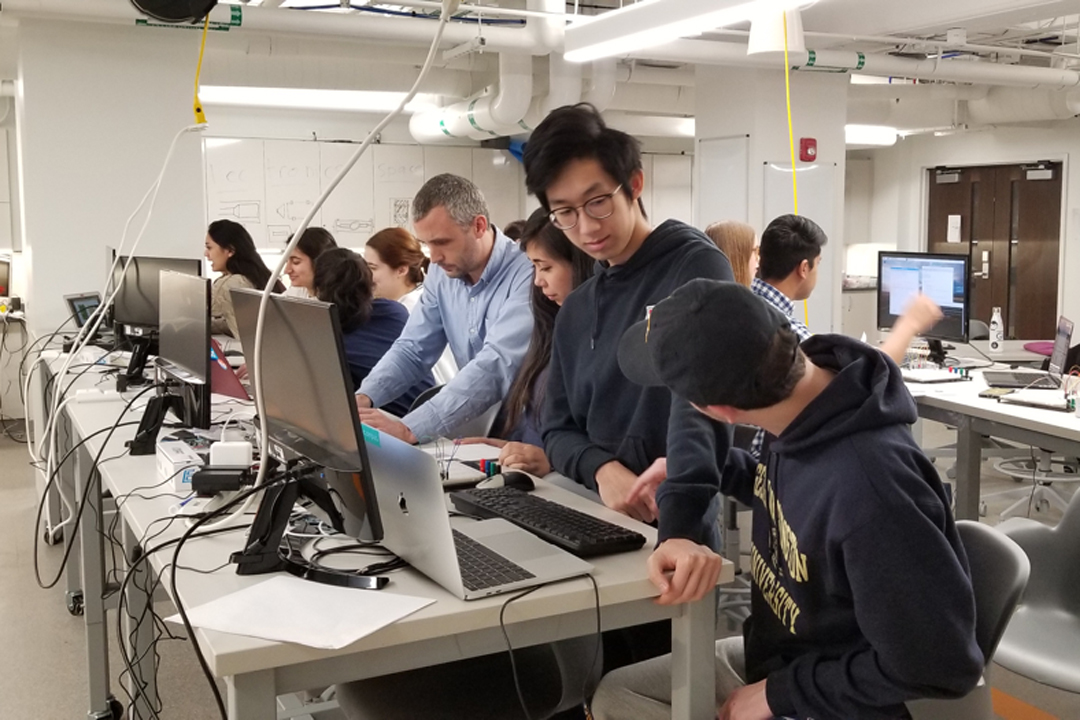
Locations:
{"points": [[781, 302]]}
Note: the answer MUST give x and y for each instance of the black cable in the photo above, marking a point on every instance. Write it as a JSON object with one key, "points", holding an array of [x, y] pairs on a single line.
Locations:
{"points": [[91, 479], [510, 647]]}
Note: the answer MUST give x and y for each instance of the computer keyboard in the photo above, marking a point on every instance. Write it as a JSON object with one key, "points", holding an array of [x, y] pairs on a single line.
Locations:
{"points": [[932, 375], [578, 533], [483, 568]]}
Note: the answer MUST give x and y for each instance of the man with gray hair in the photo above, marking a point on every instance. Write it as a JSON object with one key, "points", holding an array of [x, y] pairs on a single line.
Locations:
{"points": [[476, 299]]}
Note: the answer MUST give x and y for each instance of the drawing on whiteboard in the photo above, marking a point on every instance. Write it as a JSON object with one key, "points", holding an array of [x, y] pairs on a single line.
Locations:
{"points": [[294, 209], [278, 234], [399, 211], [354, 226], [250, 210]]}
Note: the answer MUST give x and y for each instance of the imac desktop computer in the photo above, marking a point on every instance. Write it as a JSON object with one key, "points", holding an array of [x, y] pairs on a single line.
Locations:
{"points": [[136, 306], [942, 277], [310, 406]]}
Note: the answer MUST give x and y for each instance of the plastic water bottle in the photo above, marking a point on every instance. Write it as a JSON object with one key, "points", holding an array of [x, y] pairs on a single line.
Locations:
{"points": [[997, 332]]}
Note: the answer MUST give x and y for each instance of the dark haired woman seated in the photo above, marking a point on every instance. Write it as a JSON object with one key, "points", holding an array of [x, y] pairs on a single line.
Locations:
{"points": [[369, 325]]}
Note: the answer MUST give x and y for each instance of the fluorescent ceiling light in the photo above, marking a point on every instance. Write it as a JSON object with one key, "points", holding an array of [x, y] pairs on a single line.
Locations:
{"points": [[880, 135], [354, 100], [655, 22]]}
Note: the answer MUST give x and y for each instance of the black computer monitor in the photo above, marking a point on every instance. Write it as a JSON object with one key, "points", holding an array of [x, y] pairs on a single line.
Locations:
{"points": [[309, 399], [184, 344], [136, 305], [5, 277], [942, 277]]}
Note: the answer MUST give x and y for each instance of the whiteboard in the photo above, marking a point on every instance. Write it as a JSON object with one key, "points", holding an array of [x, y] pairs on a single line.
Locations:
{"points": [[723, 178], [817, 201]]}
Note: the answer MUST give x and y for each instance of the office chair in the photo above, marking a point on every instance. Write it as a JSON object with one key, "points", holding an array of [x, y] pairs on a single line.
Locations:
{"points": [[999, 574], [479, 426], [1042, 641], [1042, 469], [978, 330]]}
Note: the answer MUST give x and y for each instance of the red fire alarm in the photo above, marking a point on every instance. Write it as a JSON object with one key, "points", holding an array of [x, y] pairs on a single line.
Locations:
{"points": [[808, 149]]}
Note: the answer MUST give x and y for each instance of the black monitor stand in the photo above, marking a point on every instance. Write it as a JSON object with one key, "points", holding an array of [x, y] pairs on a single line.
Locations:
{"points": [[141, 347], [937, 352]]}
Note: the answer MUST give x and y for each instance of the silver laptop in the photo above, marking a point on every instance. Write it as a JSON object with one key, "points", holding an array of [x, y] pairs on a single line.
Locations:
{"points": [[1050, 380], [478, 559]]}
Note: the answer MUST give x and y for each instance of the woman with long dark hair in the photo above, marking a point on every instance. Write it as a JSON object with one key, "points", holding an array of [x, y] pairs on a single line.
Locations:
{"points": [[559, 268], [369, 325], [301, 266], [231, 252]]}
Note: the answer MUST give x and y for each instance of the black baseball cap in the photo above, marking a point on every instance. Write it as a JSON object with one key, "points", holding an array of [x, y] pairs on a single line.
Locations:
{"points": [[706, 342]]}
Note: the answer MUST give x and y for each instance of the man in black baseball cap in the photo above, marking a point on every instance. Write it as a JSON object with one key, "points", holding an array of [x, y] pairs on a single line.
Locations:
{"points": [[862, 598]]}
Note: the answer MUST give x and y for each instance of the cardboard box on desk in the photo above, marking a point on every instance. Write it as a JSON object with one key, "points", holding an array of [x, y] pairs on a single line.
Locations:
{"points": [[177, 460]]}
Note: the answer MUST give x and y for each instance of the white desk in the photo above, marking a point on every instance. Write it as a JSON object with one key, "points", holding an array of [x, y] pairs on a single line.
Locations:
{"points": [[958, 404], [1012, 351], [256, 671]]}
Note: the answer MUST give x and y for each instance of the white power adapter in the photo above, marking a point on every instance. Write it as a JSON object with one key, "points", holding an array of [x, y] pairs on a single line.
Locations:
{"points": [[91, 395], [231, 454]]}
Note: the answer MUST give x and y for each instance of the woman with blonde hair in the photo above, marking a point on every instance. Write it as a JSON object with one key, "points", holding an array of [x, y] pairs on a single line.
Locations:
{"points": [[739, 242]]}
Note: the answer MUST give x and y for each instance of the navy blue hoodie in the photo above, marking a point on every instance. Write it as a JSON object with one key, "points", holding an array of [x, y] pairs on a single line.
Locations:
{"points": [[862, 597], [593, 414]]}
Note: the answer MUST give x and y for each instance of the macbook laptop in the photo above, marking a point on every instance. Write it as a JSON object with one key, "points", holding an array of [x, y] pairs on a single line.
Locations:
{"points": [[475, 560], [223, 379], [1049, 380], [82, 306]]}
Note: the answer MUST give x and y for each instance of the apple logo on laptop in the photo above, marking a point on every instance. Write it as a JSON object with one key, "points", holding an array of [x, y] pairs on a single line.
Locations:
{"points": [[402, 504]]}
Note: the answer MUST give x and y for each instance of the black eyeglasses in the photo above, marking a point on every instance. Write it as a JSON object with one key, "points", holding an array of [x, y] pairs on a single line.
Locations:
{"points": [[598, 208]]}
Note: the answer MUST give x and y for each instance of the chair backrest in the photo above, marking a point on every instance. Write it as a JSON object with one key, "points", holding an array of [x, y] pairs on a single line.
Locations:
{"points": [[999, 574], [978, 330], [1055, 559], [425, 396]]}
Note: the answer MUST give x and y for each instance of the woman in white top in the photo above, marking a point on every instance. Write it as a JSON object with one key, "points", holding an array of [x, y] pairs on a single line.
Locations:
{"points": [[301, 266], [398, 266], [231, 252]]}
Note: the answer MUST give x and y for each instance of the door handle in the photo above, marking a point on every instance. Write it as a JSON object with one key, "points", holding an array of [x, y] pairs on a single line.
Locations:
{"points": [[985, 264]]}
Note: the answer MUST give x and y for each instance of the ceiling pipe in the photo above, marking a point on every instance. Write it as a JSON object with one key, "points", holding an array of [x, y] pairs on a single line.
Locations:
{"points": [[1014, 105], [600, 88], [494, 112], [651, 125], [538, 36], [635, 72], [876, 93], [564, 88]]}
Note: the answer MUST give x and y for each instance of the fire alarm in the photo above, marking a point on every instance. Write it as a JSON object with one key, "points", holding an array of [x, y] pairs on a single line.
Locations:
{"points": [[808, 149]]}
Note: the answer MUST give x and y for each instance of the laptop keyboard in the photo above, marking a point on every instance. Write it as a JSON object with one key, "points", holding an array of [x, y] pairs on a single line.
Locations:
{"points": [[483, 568], [1023, 380]]}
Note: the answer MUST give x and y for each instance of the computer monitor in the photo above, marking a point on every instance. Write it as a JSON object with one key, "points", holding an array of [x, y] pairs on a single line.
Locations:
{"points": [[136, 305], [942, 277], [184, 344], [309, 399], [82, 306], [5, 277]]}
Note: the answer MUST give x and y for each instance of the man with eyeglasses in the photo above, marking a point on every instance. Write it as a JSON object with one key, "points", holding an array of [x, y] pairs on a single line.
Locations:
{"points": [[599, 428]]}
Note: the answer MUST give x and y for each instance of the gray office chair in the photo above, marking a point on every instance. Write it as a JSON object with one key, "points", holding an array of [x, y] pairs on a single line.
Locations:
{"points": [[978, 330], [477, 427], [1043, 640], [999, 574], [1041, 469]]}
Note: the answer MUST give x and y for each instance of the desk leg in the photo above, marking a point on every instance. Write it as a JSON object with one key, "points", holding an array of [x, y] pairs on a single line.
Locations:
{"points": [[66, 486], [252, 696], [693, 661], [92, 555], [139, 630], [968, 470]]}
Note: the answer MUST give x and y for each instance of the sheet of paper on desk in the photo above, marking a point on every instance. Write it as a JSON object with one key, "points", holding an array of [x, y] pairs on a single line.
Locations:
{"points": [[480, 451], [280, 609]]}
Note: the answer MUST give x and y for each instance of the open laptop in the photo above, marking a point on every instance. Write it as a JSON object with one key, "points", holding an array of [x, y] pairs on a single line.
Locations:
{"points": [[1049, 380], [82, 306], [223, 379], [416, 527]]}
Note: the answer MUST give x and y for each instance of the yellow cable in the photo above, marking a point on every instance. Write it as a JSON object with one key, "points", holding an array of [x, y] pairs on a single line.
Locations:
{"points": [[791, 142], [200, 116]]}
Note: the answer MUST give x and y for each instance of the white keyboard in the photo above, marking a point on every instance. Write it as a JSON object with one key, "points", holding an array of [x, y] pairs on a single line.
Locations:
{"points": [[931, 375]]}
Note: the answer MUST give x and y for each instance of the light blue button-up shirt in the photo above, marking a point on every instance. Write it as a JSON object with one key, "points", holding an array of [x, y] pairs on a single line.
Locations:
{"points": [[487, 326]]}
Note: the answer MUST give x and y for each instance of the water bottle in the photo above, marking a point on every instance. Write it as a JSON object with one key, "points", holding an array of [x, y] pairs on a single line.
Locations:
{"points": [[997, 332]]}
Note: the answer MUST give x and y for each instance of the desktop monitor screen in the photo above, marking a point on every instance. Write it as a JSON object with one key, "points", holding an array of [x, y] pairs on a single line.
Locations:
{"points": [[137, 302], [83, 306], [942, 278], [5, 277], [184, 343], [308, 393]]}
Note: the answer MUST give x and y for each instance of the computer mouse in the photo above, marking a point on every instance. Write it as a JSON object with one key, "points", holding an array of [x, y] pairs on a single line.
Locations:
{"points": [[509, 478]]}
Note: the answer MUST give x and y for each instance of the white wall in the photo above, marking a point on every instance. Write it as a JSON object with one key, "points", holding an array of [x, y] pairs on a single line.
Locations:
{"points": [[898, 214], [100, 105], [733, 102]]}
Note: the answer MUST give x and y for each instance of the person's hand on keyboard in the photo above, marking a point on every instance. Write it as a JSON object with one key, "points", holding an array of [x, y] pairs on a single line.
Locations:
{"points": [[614, 481], [683, 570]]}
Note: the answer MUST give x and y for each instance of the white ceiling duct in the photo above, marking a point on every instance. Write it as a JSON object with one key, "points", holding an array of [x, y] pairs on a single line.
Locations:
{"points": [[1011, 105], [600, 88], [564, 88], [651, 125], [494, 112]]}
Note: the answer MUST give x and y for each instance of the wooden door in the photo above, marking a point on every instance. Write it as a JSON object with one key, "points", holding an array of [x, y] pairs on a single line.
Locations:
{"points": [[1010, 227]]}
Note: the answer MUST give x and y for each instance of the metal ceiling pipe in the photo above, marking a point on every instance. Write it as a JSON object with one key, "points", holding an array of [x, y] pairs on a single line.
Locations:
{"points": [[564, 88], [1013, 105], [538, 36]]}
